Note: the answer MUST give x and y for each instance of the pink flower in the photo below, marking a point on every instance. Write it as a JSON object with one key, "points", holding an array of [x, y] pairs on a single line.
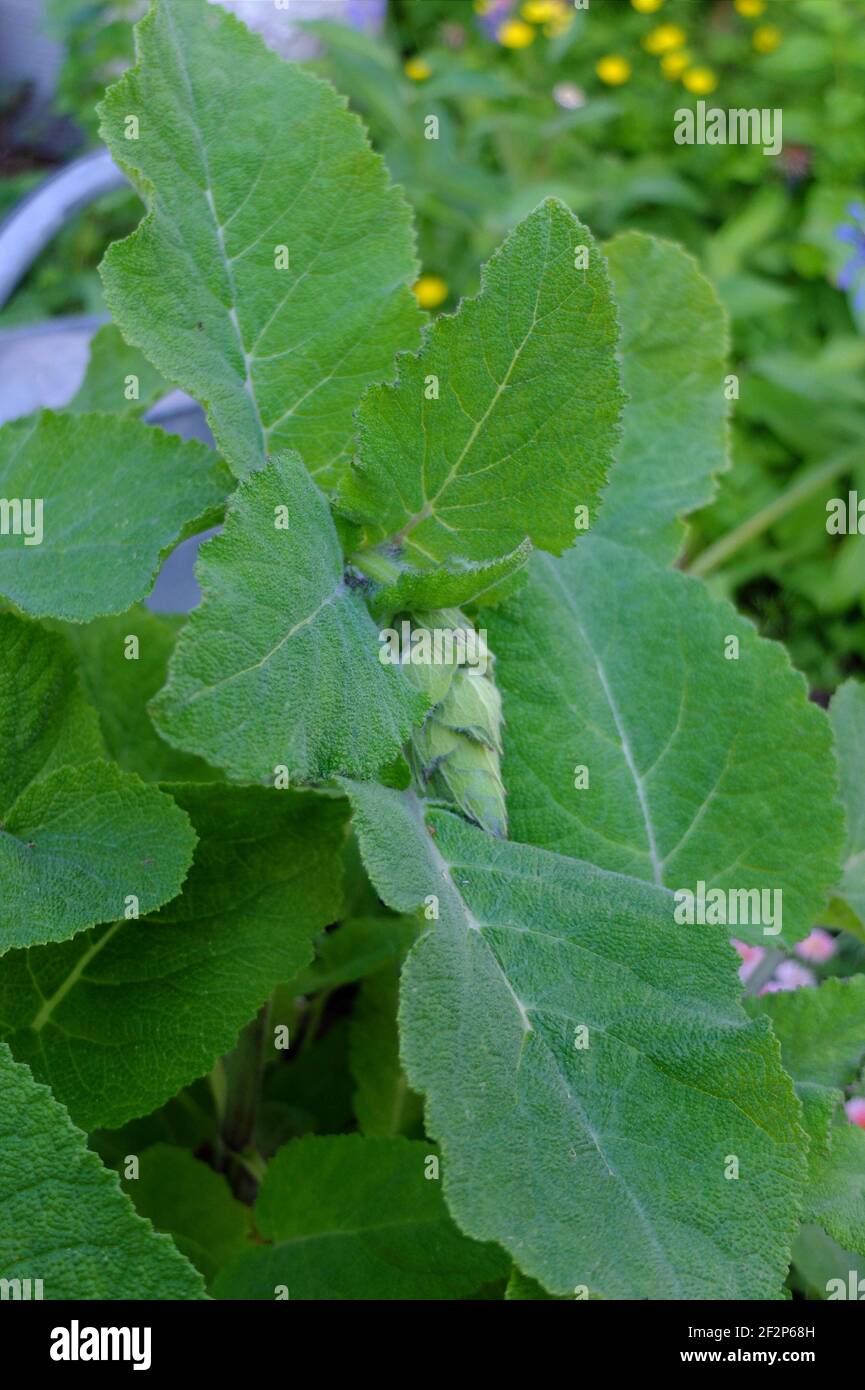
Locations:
{"points": [[789, 975], [817, 947], [751, 957], [569, 96], [856, 1111]]}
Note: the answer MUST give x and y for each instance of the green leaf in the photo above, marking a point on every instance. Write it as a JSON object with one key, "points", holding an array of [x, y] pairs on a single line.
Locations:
{"points": [[116, 495], [79, 844], [108, 380], [120, 687], [189, 1120], [78, 837], [480, 585], [238, 155], [835, 1197], [818, 1260], [45, 722], [63, 1217], [821, 1031], [698, 766], [117, 1021], [674, 348], [847, 715], [822, 1036], [309, 1091], [599, 1165], [349, 1217], [356, 949], [384, 1103], [279, 665], [526, 417], [194, 1205], [522, 1289]]}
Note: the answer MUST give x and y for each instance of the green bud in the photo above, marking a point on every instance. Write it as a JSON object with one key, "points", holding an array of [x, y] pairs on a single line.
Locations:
{"points": [[455, 755]]}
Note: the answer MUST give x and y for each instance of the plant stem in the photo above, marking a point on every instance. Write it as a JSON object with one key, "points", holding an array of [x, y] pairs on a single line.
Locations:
{"points": [[787, 501], [764, 971], [313, 1019], [243, 1070]]}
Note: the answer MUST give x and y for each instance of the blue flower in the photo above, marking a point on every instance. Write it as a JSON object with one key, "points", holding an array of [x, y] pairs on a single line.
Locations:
{"points": [[853, 272]]}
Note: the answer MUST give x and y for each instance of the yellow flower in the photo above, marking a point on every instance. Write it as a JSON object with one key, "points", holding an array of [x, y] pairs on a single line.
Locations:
{"points": [[700, 81], [542, 11], [516, 34], [664, 38], [481, 6], [766, 38], [613, 70], [674, 64], [418, 69], [430, 291], [749, 8], [647, 6]]}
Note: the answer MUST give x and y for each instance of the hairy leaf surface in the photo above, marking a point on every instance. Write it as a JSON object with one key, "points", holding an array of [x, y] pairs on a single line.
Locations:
{"points": [[120, 689], [279, 664], [119, 379], [822, 1036], [527, 411], [443, 587], [116, 496], [674, 343], [698, 766], [118, 1020], [847, 713], [78, 837], [45, 721], [248, 165], [599, 1165], [63, 1217]]}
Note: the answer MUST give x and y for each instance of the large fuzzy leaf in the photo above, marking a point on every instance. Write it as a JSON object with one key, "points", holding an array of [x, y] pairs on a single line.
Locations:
{"points": [[698, 766], [279, 665], [847, 713], [119, 379], [63, 1217], [524, 425], [185, 1198], [120, 685], [118, 1020], [604, 1165], [822, 1036], [347, 1217], [78, 837], [45, 721], [835, 1198], [237, 155], [674, 343], [116, 496], [444, 587]]}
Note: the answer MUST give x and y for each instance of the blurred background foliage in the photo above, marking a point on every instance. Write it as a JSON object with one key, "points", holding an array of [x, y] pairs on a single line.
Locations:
{"points": [[537, 97]]}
